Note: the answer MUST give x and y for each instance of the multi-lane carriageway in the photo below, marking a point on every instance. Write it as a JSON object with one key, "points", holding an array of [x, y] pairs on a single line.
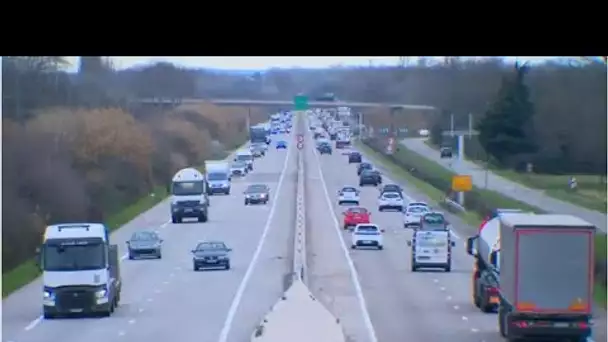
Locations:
{"points": [[373, 293]]}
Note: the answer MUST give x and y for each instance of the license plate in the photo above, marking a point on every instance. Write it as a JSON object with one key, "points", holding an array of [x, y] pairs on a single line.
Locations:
{"points": [[76, 310], [561, 325], [188, 210], [494, 300], [211, 261], [368, 242]]}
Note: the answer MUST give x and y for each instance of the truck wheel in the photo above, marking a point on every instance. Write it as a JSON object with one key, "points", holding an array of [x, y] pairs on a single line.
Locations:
{"points": [[173, 219], [361, 184], [48, 315], [448, 268], [339, 202], [380, 209], [194, 268], [380, 247], [414, 267], [246, 202], [203, 218], [159, 255], [131, 256], [501, 323], [227, 266], [353, 246], [484, 306]]}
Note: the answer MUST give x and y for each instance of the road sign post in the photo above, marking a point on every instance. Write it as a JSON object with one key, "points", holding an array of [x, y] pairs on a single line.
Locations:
{"points": [[390, 146], [300, 102]]}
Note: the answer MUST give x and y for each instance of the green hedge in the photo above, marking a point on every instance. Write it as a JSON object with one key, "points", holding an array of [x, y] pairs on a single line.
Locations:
{"points": [[479, 201]]}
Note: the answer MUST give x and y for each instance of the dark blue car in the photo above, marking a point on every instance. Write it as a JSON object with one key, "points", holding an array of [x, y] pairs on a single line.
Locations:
{"points": [[281, 144]]}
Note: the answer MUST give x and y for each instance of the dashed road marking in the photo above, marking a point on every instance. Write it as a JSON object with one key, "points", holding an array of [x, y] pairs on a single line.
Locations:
{"points": [[456, 307], [442, 288], [131, 321], [465, 318], [33, 323], [121, 333]]}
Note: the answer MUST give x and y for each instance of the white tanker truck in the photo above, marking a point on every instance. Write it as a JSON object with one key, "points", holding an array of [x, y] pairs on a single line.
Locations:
{"points": [[536, 270]]}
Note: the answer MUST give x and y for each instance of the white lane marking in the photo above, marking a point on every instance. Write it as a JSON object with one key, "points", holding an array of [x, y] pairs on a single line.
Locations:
{"points": [[448, 298], [141, 310], [474, 330], [456, 307], [442, 288], [353, 272], [121, 333], [238, 296], [165, 282], [33, 323], [435, 281], [464, 318], [150, 300], [157, 291], [131, 321]]}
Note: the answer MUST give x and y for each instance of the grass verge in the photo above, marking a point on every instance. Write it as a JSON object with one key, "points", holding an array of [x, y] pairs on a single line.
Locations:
{"points": [[28, 271], [433, 179], [590, 194]]}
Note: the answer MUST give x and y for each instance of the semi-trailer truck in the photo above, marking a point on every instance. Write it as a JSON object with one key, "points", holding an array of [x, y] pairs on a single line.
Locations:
{"points": [[80, 270], [541, 269]]}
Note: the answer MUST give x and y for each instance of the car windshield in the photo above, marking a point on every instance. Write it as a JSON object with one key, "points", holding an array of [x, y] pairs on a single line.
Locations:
{"points": [[257, 188], [365, 166], [391, 187], [433, 219], [391, 195], [187, 188], [281, 142], [217, 176], [347, 189], [206, 246], [238, 165], [357, 210], [417, 210], [355, 154], [144, 236], [368, 173], [244, 157], [418, 204], [367, 228]]}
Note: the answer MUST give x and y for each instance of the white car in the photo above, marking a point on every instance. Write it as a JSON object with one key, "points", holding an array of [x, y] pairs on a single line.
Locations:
{"points": [[390, 200], [413, 213], [239, 169], [348, 194], [367, 235]]}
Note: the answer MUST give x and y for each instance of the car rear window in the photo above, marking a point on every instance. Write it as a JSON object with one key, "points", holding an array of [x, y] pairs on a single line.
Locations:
{"points": [[418, 204], [433, 218], [367, 228], [357, 210], [391, 195], [417, 210], [349, 190]]}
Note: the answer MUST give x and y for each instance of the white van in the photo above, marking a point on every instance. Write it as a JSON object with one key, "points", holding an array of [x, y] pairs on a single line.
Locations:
{"points": [[189, 196], [432, 244], [245, 156]]}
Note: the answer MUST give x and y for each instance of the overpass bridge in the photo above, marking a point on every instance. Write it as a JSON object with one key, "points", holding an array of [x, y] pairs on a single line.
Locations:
{"points": [[251, 102]]}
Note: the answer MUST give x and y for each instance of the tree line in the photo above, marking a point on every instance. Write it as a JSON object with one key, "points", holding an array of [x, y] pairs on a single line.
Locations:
{"points": [[77, 148]]}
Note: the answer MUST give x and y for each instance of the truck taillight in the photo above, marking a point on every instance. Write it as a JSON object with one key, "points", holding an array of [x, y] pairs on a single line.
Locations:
{"points": [[492, 291]]}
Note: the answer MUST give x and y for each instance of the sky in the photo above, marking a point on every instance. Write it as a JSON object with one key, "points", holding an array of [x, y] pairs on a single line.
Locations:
{"points": [[262, 63]]}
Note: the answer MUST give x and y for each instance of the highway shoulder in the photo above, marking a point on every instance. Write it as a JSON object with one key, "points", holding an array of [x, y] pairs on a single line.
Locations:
{"points": [[299, 316]]}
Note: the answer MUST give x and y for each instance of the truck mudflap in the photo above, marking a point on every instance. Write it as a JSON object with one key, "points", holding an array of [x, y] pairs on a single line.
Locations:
{"points": [[525, 326]]}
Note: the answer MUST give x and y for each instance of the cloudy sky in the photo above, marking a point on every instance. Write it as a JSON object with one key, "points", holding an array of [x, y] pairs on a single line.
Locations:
{"points": [[261, 63]]}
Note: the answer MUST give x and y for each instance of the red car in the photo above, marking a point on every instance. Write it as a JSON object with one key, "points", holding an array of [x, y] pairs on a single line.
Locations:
{"points": [[355, 215]]}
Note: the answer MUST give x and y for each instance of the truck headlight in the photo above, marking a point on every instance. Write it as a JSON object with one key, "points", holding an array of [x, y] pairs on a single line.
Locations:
{"points": [[222, 257], [101, 293], [47, 294]]}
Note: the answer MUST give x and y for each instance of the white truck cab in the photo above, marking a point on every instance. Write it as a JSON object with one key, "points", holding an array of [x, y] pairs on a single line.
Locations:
{"points": [[189, 196], [432, 243], [80, 270], [245, 156], [367, 235]]}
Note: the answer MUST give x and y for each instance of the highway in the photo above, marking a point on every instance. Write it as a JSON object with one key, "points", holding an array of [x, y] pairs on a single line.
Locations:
{"points": [[165, 300], [374, 292], [507, 187]]}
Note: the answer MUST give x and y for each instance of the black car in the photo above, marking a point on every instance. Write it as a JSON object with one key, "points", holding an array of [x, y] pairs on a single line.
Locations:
{"points": [[370, 177], [144, 244], [446, 152], [333, 136], [354, 157], [257, 193], [363, 166], [391, 188], [324, 148], [211, 254]]}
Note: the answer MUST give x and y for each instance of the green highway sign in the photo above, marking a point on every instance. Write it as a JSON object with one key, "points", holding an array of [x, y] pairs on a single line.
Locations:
{"points": [[300, 102]]}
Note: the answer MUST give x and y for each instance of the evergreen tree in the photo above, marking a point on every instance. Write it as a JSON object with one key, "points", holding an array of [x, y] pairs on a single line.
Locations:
{"points": [[507, 128]]}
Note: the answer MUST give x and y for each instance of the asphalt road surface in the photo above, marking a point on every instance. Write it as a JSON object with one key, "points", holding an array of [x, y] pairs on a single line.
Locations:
{"points": [[165, 300], [506, 187], [374, 292]]}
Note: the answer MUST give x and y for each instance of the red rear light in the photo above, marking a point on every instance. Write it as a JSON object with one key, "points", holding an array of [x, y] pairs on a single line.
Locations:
{"points": [[492, 291], [521, 324]]}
